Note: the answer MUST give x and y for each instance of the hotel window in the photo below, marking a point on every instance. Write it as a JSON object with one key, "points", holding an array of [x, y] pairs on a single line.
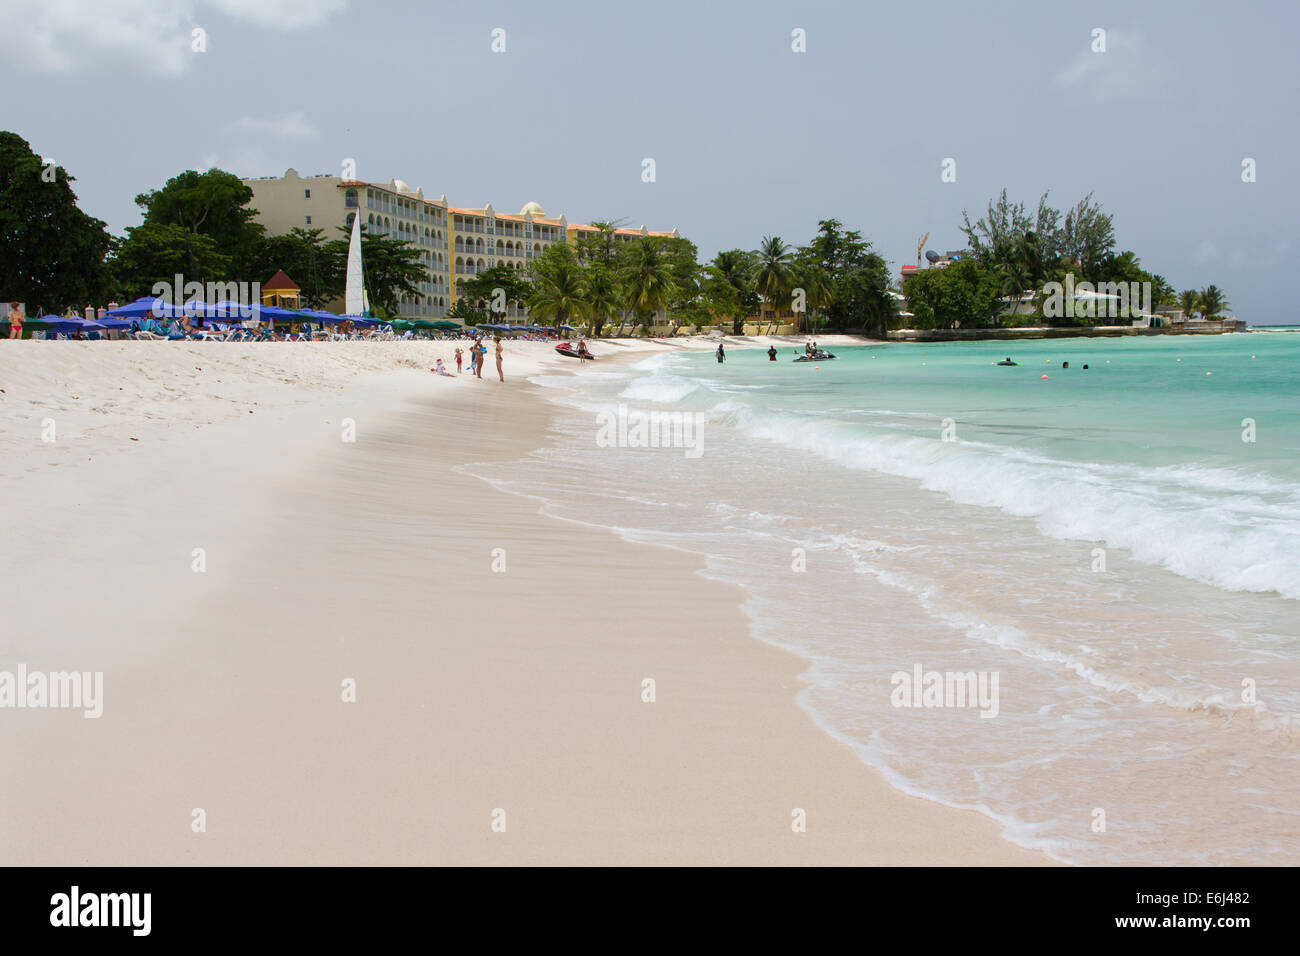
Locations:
{"points": [[306, 194], [350, 199], [308, 218]]}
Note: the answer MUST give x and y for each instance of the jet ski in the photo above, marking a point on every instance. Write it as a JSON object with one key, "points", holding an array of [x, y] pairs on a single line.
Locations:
{"points": [[564, 348], [1008, 362], [818, 356]]}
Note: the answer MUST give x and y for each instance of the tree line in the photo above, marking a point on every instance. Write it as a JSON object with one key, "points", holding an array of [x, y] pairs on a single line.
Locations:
{"points": [[200, 225], [1013, 256]]}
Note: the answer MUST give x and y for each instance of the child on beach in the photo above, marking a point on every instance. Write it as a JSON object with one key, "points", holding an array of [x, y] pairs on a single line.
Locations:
{"points": [[440, 368], [460, 357]]}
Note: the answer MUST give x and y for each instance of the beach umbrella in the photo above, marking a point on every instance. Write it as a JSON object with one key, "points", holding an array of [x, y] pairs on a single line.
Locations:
{"points": [[149, 306], [446, 325], [320, 315]]}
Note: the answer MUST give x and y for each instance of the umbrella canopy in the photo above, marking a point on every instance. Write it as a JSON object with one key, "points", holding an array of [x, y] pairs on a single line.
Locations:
{"points": [[57, 323], [149, 306], [320, 315], [234, 311], [444, 324], [273, 313]]}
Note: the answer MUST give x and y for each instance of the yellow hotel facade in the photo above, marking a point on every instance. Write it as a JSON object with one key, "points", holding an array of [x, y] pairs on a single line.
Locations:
{"points": [[453, 243]]}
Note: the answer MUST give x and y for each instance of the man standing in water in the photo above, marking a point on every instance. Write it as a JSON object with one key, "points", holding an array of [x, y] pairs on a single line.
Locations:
{"points": [[722, 355], [771, 353]]}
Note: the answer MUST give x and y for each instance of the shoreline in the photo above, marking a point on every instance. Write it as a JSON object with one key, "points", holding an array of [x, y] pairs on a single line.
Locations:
{"points": [[373, 561]]}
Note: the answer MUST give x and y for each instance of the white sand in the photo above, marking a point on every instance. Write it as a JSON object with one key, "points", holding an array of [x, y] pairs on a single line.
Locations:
{"points": [[371, 560]]}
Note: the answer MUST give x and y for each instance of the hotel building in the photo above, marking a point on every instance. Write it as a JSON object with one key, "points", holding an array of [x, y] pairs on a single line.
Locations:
{"points": [[454, 243], [393, 209]]}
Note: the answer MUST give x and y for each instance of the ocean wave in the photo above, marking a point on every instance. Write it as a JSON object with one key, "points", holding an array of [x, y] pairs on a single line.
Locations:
{"points": [[1231, 530]]}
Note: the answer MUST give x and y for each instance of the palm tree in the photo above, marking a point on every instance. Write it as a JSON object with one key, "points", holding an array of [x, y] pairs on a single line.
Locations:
{"points": [[1213, 301], [601, 300], [646, 280], [1189, 300], [814, 281], [558, 289], [775, 279], [729, 289]]}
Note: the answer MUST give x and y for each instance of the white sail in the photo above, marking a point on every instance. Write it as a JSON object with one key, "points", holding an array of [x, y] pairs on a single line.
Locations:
{"points": [[354, 296]]}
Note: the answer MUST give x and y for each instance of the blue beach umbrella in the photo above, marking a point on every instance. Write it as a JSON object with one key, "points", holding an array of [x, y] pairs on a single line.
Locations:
{"points": [[148, 306]]}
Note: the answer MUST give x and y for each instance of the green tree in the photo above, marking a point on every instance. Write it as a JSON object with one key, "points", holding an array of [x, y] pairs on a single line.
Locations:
{"points": [[599, 246], [813, 280], [393, 268], [303, 256], [645, 278], [51, 253], [601, 301], [212, 204], [774, 278], [1212, 302], [858, 278], [964, 294], [481, 290], [156, 253], [685, 304], [558, 291], [729, 287], [1189, 300]]}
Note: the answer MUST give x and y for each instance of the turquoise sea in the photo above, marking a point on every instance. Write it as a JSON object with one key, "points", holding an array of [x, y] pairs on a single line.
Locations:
{"points": [[1119, 545]]}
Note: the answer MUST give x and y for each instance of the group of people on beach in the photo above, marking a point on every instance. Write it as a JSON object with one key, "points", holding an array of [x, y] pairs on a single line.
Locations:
{"points": [[477, 355]]}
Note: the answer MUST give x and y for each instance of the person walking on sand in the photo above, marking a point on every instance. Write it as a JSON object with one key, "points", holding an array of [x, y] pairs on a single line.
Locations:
{"points": [[583, 354], [460, 357], [500, 374], [15, 321]]}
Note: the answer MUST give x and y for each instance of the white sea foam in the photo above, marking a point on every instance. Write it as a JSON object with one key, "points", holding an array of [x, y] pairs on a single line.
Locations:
{"points": [[1161, 515]]}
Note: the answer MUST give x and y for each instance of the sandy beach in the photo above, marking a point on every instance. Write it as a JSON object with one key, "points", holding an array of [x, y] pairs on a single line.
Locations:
{"points": [[201, 530]]}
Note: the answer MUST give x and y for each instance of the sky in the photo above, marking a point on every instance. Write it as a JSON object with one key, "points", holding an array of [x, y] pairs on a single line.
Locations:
{"points": [[749, 136]]}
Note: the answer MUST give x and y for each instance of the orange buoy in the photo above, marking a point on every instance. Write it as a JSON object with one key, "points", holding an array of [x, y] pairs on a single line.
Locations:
{"points": [[1044, 377]]}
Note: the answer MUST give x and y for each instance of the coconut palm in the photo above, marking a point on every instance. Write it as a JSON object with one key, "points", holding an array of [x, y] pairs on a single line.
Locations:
{"points": [[775, 278], [645, 279], [558, 289], [817, 292], [1213, 302], [1189, 300], [601, 300]]}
